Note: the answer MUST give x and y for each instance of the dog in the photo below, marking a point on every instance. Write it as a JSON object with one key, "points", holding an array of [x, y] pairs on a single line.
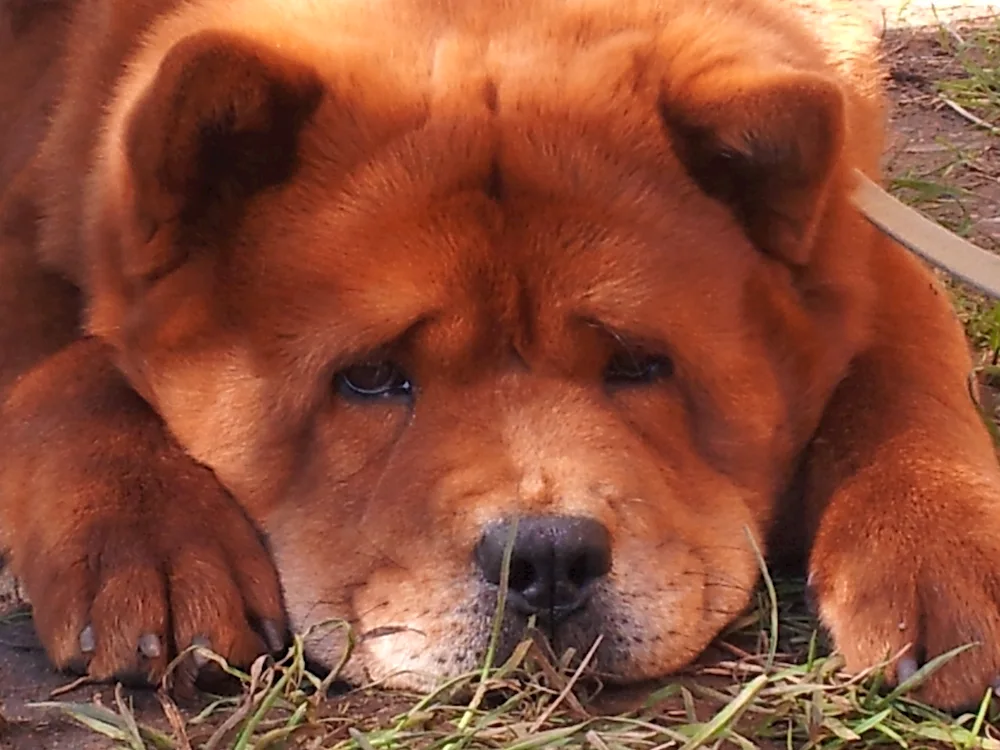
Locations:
{"points": [[343, 311]]}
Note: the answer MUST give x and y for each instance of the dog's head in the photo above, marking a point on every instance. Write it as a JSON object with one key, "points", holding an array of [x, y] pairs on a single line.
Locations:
{"points": [[568, 298]]}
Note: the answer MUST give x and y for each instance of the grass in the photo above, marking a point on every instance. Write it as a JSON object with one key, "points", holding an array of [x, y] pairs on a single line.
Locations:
{"points": [[770, 681], [970, 89], [948, 189], [784, 691], [976, 92]]}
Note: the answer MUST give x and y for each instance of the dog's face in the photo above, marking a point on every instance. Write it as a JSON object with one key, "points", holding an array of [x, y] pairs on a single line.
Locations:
{"points": [[565, 326]]}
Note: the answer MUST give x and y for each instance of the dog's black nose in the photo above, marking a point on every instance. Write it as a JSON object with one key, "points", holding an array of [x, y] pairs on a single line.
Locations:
{"points": [[553, 563]]}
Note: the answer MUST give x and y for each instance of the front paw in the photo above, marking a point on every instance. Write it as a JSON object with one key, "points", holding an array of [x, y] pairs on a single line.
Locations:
{"points": [[116, 596], [129, 550], [924, 582]]}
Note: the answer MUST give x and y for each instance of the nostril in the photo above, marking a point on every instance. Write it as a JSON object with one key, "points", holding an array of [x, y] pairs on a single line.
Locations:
{"points": [[586, 567], [522, 575], [577, 572]]}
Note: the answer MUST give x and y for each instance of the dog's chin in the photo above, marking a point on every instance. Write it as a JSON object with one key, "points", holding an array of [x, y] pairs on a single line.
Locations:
{"points": [[608, 639]]}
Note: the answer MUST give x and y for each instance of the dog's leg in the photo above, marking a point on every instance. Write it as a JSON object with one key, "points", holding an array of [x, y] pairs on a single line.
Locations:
{"points": [[39, 309], [903, 491], [128, 550]]}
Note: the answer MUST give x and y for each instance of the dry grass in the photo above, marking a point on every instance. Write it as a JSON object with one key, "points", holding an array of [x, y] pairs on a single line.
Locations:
{"points": [[772, 683], [787, 691]]}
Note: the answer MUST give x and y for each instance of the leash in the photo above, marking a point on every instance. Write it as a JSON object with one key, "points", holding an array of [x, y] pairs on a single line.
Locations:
{"points": [[931, 241], [943, 249]]}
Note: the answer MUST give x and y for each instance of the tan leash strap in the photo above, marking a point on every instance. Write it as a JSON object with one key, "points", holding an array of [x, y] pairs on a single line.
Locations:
{"points": [[930, 241]]}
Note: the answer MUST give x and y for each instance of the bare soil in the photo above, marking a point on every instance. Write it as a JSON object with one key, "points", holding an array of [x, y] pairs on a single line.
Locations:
{"points": [[932, 144]]}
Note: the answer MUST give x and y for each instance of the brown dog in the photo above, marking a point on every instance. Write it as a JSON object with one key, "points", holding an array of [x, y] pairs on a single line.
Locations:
{"points": [[380, 279]]}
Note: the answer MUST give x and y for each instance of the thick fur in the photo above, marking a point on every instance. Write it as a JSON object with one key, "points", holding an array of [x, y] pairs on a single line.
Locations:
{"points": [[213, 209]]}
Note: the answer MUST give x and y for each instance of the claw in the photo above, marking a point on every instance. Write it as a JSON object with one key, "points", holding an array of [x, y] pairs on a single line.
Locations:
{"points": [[812, 600], [906, 668], [201, 641], [272, 635], [149, 646], [88, 643]]}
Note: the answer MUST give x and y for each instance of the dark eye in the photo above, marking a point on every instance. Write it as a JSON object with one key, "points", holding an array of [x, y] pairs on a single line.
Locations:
{"points": [[373, 380], [635, 368]]}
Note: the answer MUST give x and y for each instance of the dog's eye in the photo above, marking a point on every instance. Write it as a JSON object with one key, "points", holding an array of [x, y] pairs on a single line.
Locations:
{"points": [[373, 380], [631, 368]]}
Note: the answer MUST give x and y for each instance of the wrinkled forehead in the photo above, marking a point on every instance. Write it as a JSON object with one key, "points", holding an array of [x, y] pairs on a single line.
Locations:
{"points": [[493, 217]]}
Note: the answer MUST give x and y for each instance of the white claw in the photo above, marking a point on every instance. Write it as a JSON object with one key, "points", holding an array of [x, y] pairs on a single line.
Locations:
{"points": [[906, 668]]}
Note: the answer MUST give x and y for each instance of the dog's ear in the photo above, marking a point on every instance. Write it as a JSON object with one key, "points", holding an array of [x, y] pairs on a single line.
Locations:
{"points": [[764, 144], [219, 123]]}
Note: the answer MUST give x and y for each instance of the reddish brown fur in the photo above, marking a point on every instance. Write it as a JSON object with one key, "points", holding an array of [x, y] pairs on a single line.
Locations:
{"points": [[251, 197]]}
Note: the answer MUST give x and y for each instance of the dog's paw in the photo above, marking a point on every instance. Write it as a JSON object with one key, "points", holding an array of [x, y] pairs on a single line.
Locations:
{"points": [[923, 582], [116, 597], [129, 551]]}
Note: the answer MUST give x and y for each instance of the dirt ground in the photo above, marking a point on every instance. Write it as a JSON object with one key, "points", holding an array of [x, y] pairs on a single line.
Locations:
{"points": [[926, 136], [952, 164]]}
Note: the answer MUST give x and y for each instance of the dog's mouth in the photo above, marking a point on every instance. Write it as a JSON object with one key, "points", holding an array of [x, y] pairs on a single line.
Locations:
{"points": [[585, 637], [623, 609], [541, 581]]}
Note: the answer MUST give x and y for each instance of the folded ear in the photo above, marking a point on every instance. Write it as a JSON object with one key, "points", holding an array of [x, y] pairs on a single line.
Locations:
{"points": [[219, 123], [766, 145]]}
